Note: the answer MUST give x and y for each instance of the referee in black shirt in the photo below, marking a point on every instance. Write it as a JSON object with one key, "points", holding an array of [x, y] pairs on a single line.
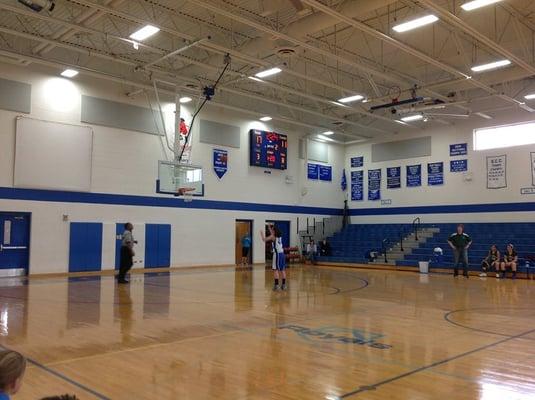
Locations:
{"points": [[460, 242]]}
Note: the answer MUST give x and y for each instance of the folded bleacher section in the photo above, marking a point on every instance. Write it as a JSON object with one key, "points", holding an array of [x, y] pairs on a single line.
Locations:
{"points": [[351, 244]]}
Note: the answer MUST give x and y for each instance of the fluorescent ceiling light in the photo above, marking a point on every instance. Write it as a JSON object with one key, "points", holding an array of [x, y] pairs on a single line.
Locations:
{"points": [[144, 33], [400, 122], [268, 72], [69, 73], [255, 79], [321, 140], [350, 99], [483, 115], [325, 138], [415, 23], [184, 99], [328, 133], [492, 65], [339, 104], [530, 96], [415, 117], [472, 5], [265, 119]]}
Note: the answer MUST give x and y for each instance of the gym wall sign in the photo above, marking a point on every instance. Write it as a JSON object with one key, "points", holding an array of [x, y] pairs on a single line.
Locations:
{"points": [[339, 335]]}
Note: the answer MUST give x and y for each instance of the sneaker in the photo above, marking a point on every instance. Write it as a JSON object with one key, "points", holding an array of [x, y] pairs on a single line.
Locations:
{"points": [[497, 276], [275, 288], [455, 274], [123, 281], [466, 275], [483, 274], [283, 287]]}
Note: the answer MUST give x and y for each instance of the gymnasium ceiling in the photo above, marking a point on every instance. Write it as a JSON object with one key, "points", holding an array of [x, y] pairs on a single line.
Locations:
{"points": [[327, 49]]}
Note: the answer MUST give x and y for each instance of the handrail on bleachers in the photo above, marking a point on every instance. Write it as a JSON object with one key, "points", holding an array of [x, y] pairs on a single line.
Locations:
{"points": [[415, 225]]}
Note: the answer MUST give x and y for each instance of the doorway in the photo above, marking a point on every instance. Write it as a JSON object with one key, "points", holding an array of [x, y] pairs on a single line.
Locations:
{"points": [[14, 243], [244, 229]]}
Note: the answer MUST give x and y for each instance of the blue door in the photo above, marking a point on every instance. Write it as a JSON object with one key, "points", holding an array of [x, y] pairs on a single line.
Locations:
{"points": [[157, 245], [119, 229], [85, 247], [14, 241]]}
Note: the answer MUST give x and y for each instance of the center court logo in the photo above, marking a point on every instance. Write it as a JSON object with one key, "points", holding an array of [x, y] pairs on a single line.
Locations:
{"points": [[339, 335]]}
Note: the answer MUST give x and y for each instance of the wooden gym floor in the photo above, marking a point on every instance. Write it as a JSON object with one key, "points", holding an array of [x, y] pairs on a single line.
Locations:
{"points": [[217, 333]]}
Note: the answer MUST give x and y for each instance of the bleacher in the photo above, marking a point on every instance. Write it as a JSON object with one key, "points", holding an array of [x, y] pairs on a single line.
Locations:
{"points": [[522, 235], [352, 243]]}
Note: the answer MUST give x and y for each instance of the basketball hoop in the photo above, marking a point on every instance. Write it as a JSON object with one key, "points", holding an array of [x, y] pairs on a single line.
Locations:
{"points": [[186, 193]]}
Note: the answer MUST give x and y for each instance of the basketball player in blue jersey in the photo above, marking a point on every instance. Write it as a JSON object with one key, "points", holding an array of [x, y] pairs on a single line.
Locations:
{"points": [[279, 264]]}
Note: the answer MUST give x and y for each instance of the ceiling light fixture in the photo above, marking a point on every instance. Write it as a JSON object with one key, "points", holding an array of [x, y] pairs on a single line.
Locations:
{"points": [[472, 5], [254, 78], [69, 73], [328, 133], [530, 96], [339, 104], [184, 100], [491, 65], [268, 72], [325, 138], [350, 99], [144, 33], [415, 23], [265, 119], [415, 117]]}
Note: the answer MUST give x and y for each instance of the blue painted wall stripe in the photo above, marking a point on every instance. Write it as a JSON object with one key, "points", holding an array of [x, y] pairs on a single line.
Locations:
{"points": [[152, 201], [446, 209]]}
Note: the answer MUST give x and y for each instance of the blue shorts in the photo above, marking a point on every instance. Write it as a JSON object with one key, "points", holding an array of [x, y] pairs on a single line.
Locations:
{"points": [[280, 261]]}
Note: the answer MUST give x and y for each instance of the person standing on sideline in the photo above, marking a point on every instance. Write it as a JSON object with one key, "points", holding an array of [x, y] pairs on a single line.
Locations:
{"points": [[127, 252], [312, 251], [245, 249], [460, 242], [279, 264], [12, 368]]}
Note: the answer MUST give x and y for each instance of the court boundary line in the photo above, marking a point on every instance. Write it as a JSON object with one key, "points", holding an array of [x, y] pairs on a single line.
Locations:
{"points": [[374, 386], [447, 318], [63, 377]]}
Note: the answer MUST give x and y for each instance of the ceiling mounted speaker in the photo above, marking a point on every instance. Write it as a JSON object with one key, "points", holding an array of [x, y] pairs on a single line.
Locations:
{"points": [[286, 52]]}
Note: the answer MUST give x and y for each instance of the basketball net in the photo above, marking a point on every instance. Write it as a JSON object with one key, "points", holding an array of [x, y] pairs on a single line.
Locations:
{"points": [[186, 193]]}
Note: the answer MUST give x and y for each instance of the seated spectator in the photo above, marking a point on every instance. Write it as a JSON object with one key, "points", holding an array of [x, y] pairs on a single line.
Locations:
{"points": [[492, 260], [325, 248], [12, 367], [371, 255], [61, 397], [312, 251], [510, 260]]}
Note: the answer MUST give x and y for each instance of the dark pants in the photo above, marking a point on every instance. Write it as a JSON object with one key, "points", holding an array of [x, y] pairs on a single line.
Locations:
{"points": [[126, 262], [460, 256]]}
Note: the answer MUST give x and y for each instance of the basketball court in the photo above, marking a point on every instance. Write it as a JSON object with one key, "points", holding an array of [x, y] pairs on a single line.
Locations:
{"points": [[338, 333]]}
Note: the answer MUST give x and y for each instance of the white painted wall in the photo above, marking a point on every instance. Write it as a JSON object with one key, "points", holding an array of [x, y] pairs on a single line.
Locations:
{"points": [[125, 162], [456, 189]]}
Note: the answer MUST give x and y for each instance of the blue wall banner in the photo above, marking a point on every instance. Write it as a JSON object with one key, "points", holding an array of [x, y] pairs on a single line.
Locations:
{"points": [[357, 185], [374, 184], [458, 165], [357, 162], [414, 175], [435, 173], [220, 162], [326, 173], [393, 178], [313, 171], [459, 149]]}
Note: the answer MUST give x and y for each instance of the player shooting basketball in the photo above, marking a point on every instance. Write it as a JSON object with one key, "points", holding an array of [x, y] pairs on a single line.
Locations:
{"points": [[280, 259]]}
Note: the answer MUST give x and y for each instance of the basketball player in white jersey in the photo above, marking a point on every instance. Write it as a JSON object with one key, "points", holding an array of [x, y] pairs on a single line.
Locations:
{"points": [[279, 263]]}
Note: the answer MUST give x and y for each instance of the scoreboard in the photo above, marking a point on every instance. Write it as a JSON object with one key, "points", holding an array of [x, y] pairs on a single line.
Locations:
{"points": [[268, 149]]}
